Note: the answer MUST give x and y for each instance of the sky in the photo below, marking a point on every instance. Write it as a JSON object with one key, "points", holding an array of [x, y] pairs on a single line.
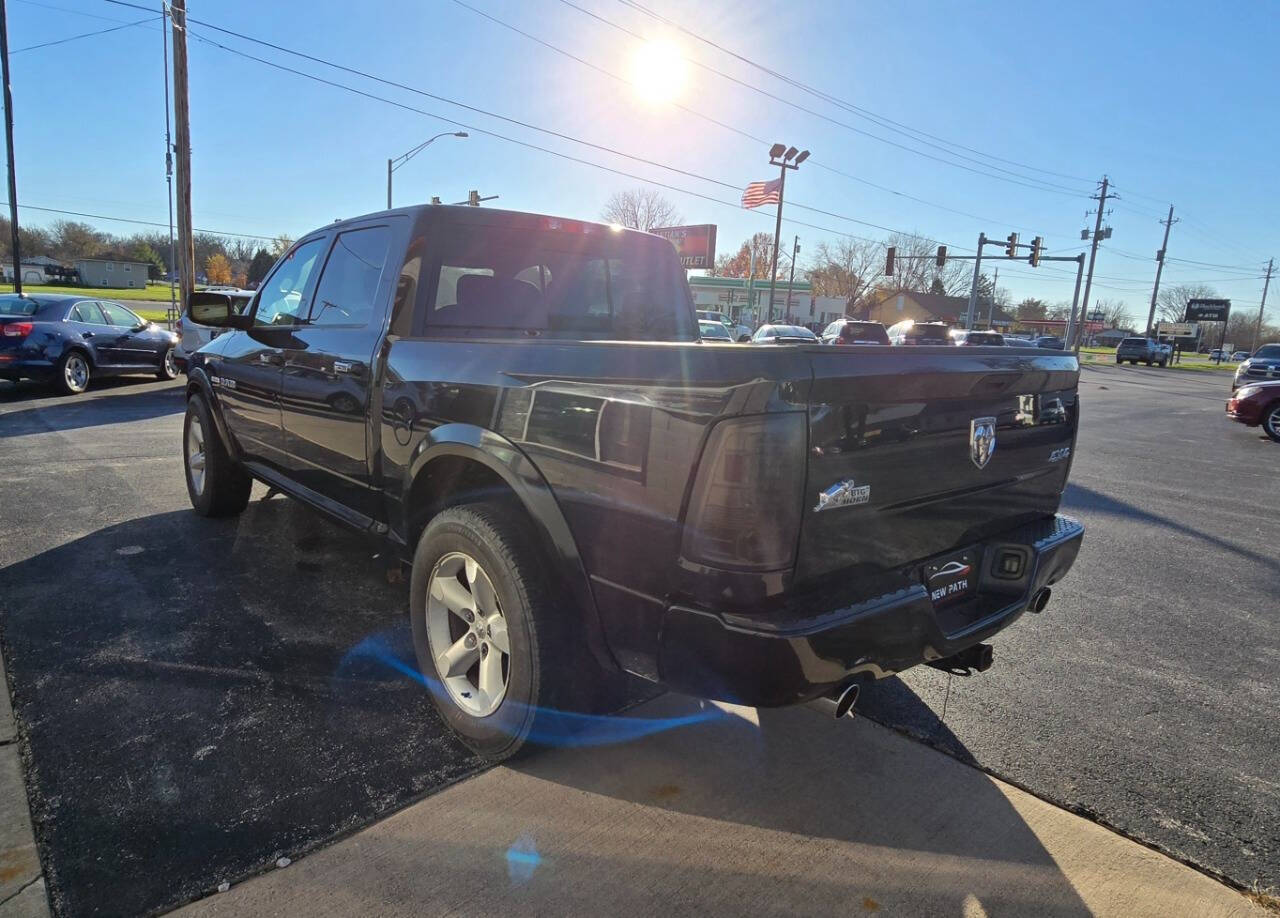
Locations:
{"points": [[948, 119]]}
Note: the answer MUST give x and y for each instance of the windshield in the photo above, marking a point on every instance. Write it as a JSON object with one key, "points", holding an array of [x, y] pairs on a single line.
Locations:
{"points": [[1134, 342], [1268, 350], [714, 330], [864, 333]]}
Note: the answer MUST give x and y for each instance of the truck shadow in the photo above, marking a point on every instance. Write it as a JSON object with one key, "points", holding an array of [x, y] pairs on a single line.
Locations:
{"points": [[796, 812], [111, 401]]}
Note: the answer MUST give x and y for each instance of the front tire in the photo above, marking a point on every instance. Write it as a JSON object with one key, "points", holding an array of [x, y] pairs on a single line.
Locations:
{"points": [[168, 365], [1271, 421], [73, 373], [216, 483], [497, 653]]}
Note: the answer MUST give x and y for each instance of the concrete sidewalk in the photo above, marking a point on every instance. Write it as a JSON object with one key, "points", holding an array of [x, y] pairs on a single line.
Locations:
{"points": [[761, 813], [22, 892]]}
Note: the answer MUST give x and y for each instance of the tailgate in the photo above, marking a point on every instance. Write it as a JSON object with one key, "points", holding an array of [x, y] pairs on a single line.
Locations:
{"points": [[918, 451]]}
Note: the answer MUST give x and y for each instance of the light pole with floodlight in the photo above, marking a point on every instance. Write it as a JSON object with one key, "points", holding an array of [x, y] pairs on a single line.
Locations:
{"points": [[781, 155]]}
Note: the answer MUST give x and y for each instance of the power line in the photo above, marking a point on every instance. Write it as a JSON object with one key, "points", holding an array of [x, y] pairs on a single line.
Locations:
{"points": [[728, 127], [881, 120], [63, 41], [73, 213], [496, 135], [1041, 186]]}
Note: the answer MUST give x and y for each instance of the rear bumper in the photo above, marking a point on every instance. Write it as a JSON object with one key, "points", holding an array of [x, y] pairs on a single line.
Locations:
{"points": [[15, 369], [805, 649]]}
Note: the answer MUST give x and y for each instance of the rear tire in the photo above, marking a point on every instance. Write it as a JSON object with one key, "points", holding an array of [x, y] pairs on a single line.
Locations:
{"points": [[546, 667], [1271, 421], [168, 365], [73, 373], [216, 483]]}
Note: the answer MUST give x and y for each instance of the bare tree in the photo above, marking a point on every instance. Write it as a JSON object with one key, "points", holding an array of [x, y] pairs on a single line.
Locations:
{"points": [[847, 268], [1115, 313], [1171, 304], [640, 208], [916, 266]]}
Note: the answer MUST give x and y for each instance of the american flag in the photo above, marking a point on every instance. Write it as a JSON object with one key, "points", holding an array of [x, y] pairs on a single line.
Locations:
{"points": [[758, 193]]}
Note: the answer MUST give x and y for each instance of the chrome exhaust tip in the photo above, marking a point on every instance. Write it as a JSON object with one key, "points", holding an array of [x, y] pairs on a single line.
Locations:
{"points": [[839, 703], [1041, 600]]}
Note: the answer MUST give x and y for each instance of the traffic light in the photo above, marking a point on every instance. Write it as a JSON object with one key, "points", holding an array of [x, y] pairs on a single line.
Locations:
{"points": [[1037, 249], [942, 256], [888, 261], [1012, 248]]}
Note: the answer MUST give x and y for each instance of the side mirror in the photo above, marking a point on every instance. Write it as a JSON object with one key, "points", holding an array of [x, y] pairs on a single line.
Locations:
{"points": [[216, 311]]}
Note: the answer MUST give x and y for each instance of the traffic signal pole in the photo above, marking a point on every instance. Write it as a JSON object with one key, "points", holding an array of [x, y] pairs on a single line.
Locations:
{"points": [[973, 288]]}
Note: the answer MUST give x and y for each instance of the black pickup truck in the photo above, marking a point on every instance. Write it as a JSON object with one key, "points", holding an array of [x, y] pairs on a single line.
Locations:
{"points": [[521, 406]]}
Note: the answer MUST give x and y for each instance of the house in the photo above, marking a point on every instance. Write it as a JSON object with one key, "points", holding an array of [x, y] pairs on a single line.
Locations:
{"points": [[108, 272], [32, 273]]}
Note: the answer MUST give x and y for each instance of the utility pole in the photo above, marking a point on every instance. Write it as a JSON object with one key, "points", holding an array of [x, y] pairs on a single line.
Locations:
{"points": [[795, 250], [1257, 328], [973, 288], [8, 137], [991, 311], [182, 147], [1164, 246], [168, 166], [1075, 299], [1101, 198]]}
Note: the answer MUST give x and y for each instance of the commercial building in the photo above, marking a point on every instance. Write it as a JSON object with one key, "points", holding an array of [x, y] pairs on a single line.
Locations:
{"points": [[746, 302]]}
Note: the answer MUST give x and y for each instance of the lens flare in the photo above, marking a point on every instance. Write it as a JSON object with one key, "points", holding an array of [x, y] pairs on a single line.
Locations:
{"points": [[658, 71], [565, 729]]}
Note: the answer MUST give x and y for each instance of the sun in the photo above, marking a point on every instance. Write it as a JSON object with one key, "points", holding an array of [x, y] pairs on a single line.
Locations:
{"points": [[659, 71]]}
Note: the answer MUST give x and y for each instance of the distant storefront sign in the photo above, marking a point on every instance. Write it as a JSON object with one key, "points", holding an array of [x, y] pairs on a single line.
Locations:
{"points": [[1207, 310], [1175, 330], [696, 245]]}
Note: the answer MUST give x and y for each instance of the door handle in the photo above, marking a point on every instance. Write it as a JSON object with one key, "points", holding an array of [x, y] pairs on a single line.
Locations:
{"points": [[86, 334], [341, 366]]}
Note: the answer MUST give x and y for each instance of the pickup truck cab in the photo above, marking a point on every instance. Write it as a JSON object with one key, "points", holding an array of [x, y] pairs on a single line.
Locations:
{"points": [[520, 407]]}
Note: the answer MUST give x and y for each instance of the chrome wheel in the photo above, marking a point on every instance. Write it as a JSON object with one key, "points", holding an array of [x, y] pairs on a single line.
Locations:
{"points": [[76, 373], [170, 364], [1271, 423], [467, 634], [195, 454]]}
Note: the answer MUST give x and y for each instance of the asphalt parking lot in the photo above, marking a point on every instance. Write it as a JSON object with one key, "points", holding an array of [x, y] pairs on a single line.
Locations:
{"points": [[197, 698]]}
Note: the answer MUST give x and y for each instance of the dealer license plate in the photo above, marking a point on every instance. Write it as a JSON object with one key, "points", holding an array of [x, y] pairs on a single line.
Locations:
{"points": [[952, 578]]}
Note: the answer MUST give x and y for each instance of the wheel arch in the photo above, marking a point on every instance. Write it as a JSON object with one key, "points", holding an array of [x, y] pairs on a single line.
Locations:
{"points": [[198, 383], [457, 463]]}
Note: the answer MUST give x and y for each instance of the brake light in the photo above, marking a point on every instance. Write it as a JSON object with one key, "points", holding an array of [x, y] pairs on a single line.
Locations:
{"points": [[749, 494], [17, 329]]}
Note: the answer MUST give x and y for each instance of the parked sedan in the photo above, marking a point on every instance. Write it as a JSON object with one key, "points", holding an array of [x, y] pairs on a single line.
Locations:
{"points": [[1257, 404], [783, 334], [68, 340]]}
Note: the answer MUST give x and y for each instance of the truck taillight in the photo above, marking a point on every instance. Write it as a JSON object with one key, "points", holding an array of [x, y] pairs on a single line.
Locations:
{"points": [[747, 499], [16, 329]]}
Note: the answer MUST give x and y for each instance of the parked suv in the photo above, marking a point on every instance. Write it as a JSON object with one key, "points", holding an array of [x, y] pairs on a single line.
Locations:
{"points": [[1141, 349], [520, 407], [854, 331]]}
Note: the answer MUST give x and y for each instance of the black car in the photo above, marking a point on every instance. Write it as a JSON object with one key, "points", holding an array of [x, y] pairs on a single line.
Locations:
{"points": [[68, 340], [854, 331], [522, 409], [1052, 342]]}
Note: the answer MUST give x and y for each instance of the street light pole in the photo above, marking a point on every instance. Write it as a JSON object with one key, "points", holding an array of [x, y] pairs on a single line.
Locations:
{"points": [[8, 136], [781, 155], [394, 164], [791, 283]]}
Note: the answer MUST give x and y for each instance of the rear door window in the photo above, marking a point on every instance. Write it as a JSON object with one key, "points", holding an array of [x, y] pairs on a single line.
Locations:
{"points": [[87, 312], [558, 284], [348, 285]]}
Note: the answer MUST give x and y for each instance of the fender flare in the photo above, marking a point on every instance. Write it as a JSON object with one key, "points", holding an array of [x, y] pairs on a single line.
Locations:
{"points": [[510, 463], [198, 381]]}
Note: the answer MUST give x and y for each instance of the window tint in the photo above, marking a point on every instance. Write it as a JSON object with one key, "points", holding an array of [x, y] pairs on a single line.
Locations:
{"points": [[349, 283], [118, 315], [87, 312], [558, 284], [280, 302]]}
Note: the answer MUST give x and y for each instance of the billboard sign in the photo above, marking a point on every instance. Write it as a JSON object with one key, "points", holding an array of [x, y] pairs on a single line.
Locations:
{"points": [[696, 245], [1207, 310]]}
